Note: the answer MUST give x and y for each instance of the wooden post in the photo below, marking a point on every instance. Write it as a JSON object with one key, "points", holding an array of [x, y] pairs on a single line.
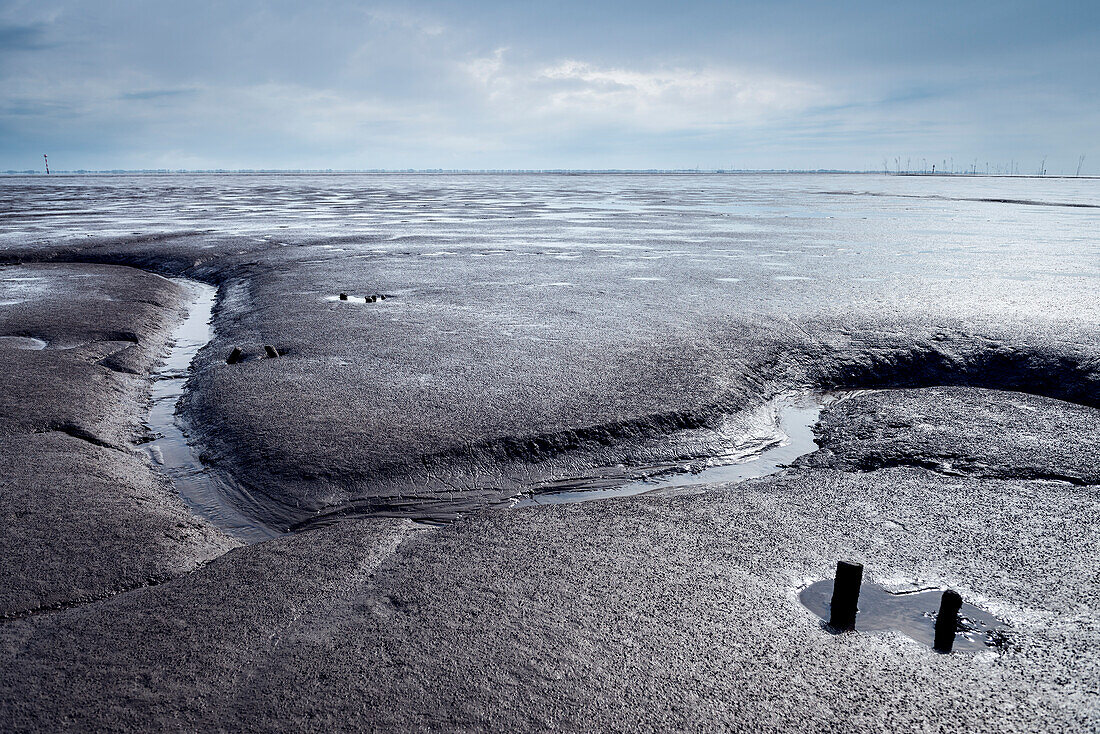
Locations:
{"points": [[846, 585], [947, 621]]}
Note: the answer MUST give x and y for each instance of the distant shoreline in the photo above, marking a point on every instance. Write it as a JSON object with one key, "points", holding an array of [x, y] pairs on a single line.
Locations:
{"points": [[533, 171]]}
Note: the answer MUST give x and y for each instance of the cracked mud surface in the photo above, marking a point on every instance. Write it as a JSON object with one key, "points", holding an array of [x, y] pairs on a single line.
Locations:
{"points": [[480, 374]]}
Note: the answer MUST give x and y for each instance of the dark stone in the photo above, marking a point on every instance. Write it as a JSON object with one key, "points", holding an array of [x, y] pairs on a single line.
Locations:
{"points": [[235, 356], [271, 351], [343, 296]]}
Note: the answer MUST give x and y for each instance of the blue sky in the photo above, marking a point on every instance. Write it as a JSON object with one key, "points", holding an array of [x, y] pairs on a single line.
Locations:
{"points": [[342, 84]]}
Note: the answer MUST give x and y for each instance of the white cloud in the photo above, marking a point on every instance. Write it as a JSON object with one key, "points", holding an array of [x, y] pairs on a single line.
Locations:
{"points": [[487, 71], [662, 98], [418, 22]]}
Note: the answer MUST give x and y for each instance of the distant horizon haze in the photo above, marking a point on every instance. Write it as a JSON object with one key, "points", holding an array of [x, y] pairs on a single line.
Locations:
{"points": [[533, 171]]}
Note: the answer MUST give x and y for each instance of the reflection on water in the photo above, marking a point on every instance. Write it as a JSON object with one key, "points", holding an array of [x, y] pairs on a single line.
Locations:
{"points": [[793, 418], [207, 494], [21, 342], [912, 613]]}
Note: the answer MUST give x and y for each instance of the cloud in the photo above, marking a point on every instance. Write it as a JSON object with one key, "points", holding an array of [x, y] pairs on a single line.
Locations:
{"points": [[22, 37], [155, 94], [674, 98], [568, 84], [418, 22]]}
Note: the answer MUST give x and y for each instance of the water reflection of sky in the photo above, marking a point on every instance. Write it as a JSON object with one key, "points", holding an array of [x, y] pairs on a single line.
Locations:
{"points": [[806, 235]]}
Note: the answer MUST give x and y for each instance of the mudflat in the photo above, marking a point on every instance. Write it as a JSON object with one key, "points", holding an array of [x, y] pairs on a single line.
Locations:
{"points": [[538, 330], [85, 516]]}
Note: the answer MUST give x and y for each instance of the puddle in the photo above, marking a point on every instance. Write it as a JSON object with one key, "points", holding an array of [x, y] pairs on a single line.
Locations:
{"points": [[794, 418], [21, 342], [207, 494], [912, 613]]}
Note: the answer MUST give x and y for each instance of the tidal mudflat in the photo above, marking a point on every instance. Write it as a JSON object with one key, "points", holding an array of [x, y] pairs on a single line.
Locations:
{"points": [[432, 511]]}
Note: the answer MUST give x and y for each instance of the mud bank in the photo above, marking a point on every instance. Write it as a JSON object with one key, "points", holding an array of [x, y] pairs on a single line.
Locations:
{"points": [[755, 444], [86, 517]]}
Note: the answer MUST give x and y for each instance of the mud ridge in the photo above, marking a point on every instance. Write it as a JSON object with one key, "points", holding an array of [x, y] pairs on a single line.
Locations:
{"points": [[980, 200], [82, 434], [994, 367], [165, 264], [11, 617], [953, 467]]}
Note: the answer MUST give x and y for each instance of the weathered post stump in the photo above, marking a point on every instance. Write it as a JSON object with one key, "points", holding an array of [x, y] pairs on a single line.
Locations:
{"points": [[843, 608], [947, 621]]}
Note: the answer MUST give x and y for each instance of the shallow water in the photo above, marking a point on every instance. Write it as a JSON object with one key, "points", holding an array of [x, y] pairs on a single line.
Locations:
{"points": [[912, 613], [21, 342], [793, 418], [792, 245], [208, 494]]}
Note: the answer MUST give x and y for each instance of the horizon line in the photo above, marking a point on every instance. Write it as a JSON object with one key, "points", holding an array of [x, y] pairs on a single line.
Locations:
{"points": [[621, 171]]}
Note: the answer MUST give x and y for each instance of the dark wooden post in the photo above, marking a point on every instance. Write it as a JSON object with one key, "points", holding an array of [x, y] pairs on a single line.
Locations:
{"points": [[846, 585], [947, 621]]}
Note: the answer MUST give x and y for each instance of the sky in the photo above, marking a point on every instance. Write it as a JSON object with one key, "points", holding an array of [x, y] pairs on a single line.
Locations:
{"points": [[340, 84]]}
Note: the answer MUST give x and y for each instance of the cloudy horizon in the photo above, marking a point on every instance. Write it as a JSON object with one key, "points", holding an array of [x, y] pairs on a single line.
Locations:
{"points": [[349, 85]]}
